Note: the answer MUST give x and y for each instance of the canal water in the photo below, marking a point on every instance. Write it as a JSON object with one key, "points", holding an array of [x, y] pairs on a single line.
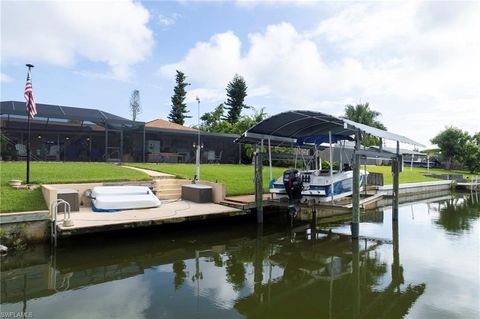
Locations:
{"points": [[424, 266]]}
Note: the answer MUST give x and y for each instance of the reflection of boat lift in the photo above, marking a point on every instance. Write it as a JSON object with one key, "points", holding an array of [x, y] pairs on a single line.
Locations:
{"points": [[321, 234]]}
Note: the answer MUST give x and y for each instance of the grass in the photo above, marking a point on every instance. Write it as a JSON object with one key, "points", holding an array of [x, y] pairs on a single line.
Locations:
{"points": [[412, 176], [14, 200], [238, 179]]}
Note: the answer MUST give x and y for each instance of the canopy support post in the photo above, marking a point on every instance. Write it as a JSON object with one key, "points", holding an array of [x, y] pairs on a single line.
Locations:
{"points": [[355, 226], [331, 165], [340, 168], [396, 181], [259, 187], [270, 160]]}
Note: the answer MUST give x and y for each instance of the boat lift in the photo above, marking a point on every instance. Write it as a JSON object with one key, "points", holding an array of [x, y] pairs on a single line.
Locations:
{"points": [[289, 128]]}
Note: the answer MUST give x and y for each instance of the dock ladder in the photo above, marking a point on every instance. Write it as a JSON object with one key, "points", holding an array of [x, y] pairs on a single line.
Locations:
{"points": [[66, 218]]}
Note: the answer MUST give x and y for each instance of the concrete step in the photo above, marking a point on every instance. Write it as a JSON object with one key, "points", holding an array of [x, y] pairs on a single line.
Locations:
{"points": [[173, 191], [169, 185], [173, 181], [169, 196], [169, 190]]}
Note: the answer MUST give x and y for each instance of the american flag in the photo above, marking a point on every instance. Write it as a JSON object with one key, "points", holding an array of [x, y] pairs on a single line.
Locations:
{"points": [[30, 101]]}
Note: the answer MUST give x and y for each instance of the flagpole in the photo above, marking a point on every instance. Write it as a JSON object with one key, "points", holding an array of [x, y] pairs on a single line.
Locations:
{"points": [[28, 150], [29, 66]]}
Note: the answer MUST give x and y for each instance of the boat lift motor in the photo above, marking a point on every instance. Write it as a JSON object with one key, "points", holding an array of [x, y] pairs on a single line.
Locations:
{"points": [[293, 186]]}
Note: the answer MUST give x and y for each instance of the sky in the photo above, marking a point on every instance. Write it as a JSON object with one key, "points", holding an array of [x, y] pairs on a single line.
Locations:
{"points": [[415, 62]]}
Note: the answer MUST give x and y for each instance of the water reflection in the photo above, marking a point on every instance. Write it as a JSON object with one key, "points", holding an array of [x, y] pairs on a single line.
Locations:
{"points": [[457, 213], [275, 271]]}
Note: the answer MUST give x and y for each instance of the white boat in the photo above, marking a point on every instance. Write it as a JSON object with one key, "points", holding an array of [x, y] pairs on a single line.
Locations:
{"points": [[317, 185], [114, 198]]}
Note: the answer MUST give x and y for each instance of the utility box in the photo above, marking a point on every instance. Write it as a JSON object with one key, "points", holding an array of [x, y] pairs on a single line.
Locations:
{"points": [[197, 193], [72, 197]]}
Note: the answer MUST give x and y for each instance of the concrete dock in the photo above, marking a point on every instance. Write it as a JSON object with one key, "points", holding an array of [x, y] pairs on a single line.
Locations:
{"points": [[176, 211]]}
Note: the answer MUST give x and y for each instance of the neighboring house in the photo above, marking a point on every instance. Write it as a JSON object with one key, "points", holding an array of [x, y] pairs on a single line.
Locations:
{"points": [[419, 159]]}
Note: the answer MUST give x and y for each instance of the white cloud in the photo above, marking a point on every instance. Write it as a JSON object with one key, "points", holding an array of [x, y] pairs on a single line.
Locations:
{"points": [[255, 3], [403, 57], [64, 33], [205, 95], [166, 21], [5, 78], [213, 62]]}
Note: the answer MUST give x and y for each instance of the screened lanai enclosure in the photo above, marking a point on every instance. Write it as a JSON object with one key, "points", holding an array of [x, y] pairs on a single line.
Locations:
{"points": [[178, 146], [61, 133]]}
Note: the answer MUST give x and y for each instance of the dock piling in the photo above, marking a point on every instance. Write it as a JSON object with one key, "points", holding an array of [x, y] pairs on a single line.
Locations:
{"points": [[355, 226], [396, 163], [259, 186]]}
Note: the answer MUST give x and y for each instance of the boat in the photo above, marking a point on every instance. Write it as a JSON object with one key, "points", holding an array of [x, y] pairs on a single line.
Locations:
{"points": [[317, 185], [115, 198]]}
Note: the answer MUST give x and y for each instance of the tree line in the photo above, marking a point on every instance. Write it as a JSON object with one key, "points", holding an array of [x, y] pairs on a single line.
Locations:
{"points": [[454, 144]]}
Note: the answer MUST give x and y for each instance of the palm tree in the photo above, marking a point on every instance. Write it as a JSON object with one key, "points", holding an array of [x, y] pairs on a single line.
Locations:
{"points": [[362, 113]]}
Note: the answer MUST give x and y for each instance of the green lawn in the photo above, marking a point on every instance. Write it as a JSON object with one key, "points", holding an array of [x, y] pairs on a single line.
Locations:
{"points": [[411, 176], [237, 178], [14, 200]]}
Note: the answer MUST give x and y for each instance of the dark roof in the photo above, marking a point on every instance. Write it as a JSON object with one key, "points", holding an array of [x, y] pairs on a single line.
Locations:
{"points": [[63, 112], [293, 125]]}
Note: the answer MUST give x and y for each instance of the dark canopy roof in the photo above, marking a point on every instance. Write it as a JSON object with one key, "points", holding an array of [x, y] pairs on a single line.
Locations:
{"points": [[292, 125], [63, 112]]}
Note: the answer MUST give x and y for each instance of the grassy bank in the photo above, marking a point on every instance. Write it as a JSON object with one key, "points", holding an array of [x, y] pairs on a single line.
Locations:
{"points": [[412, 176], [237, 178], [14, 200]]}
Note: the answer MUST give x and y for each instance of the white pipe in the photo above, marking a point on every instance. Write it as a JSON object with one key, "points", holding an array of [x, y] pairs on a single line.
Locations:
{"points": [[411, 163], [331, 163], [428, 162], [270, 159]]}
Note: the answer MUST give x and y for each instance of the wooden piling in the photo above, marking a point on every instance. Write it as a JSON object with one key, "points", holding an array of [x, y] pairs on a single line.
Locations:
{"points": [[396, 163], [356, 189]]}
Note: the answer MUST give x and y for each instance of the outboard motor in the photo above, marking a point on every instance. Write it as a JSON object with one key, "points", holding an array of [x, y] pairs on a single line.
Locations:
{"points": [[293, 186]]}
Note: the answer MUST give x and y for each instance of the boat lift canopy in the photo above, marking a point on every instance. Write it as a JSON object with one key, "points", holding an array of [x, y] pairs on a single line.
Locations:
{"points": [[309, 127], [288, 127]]}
